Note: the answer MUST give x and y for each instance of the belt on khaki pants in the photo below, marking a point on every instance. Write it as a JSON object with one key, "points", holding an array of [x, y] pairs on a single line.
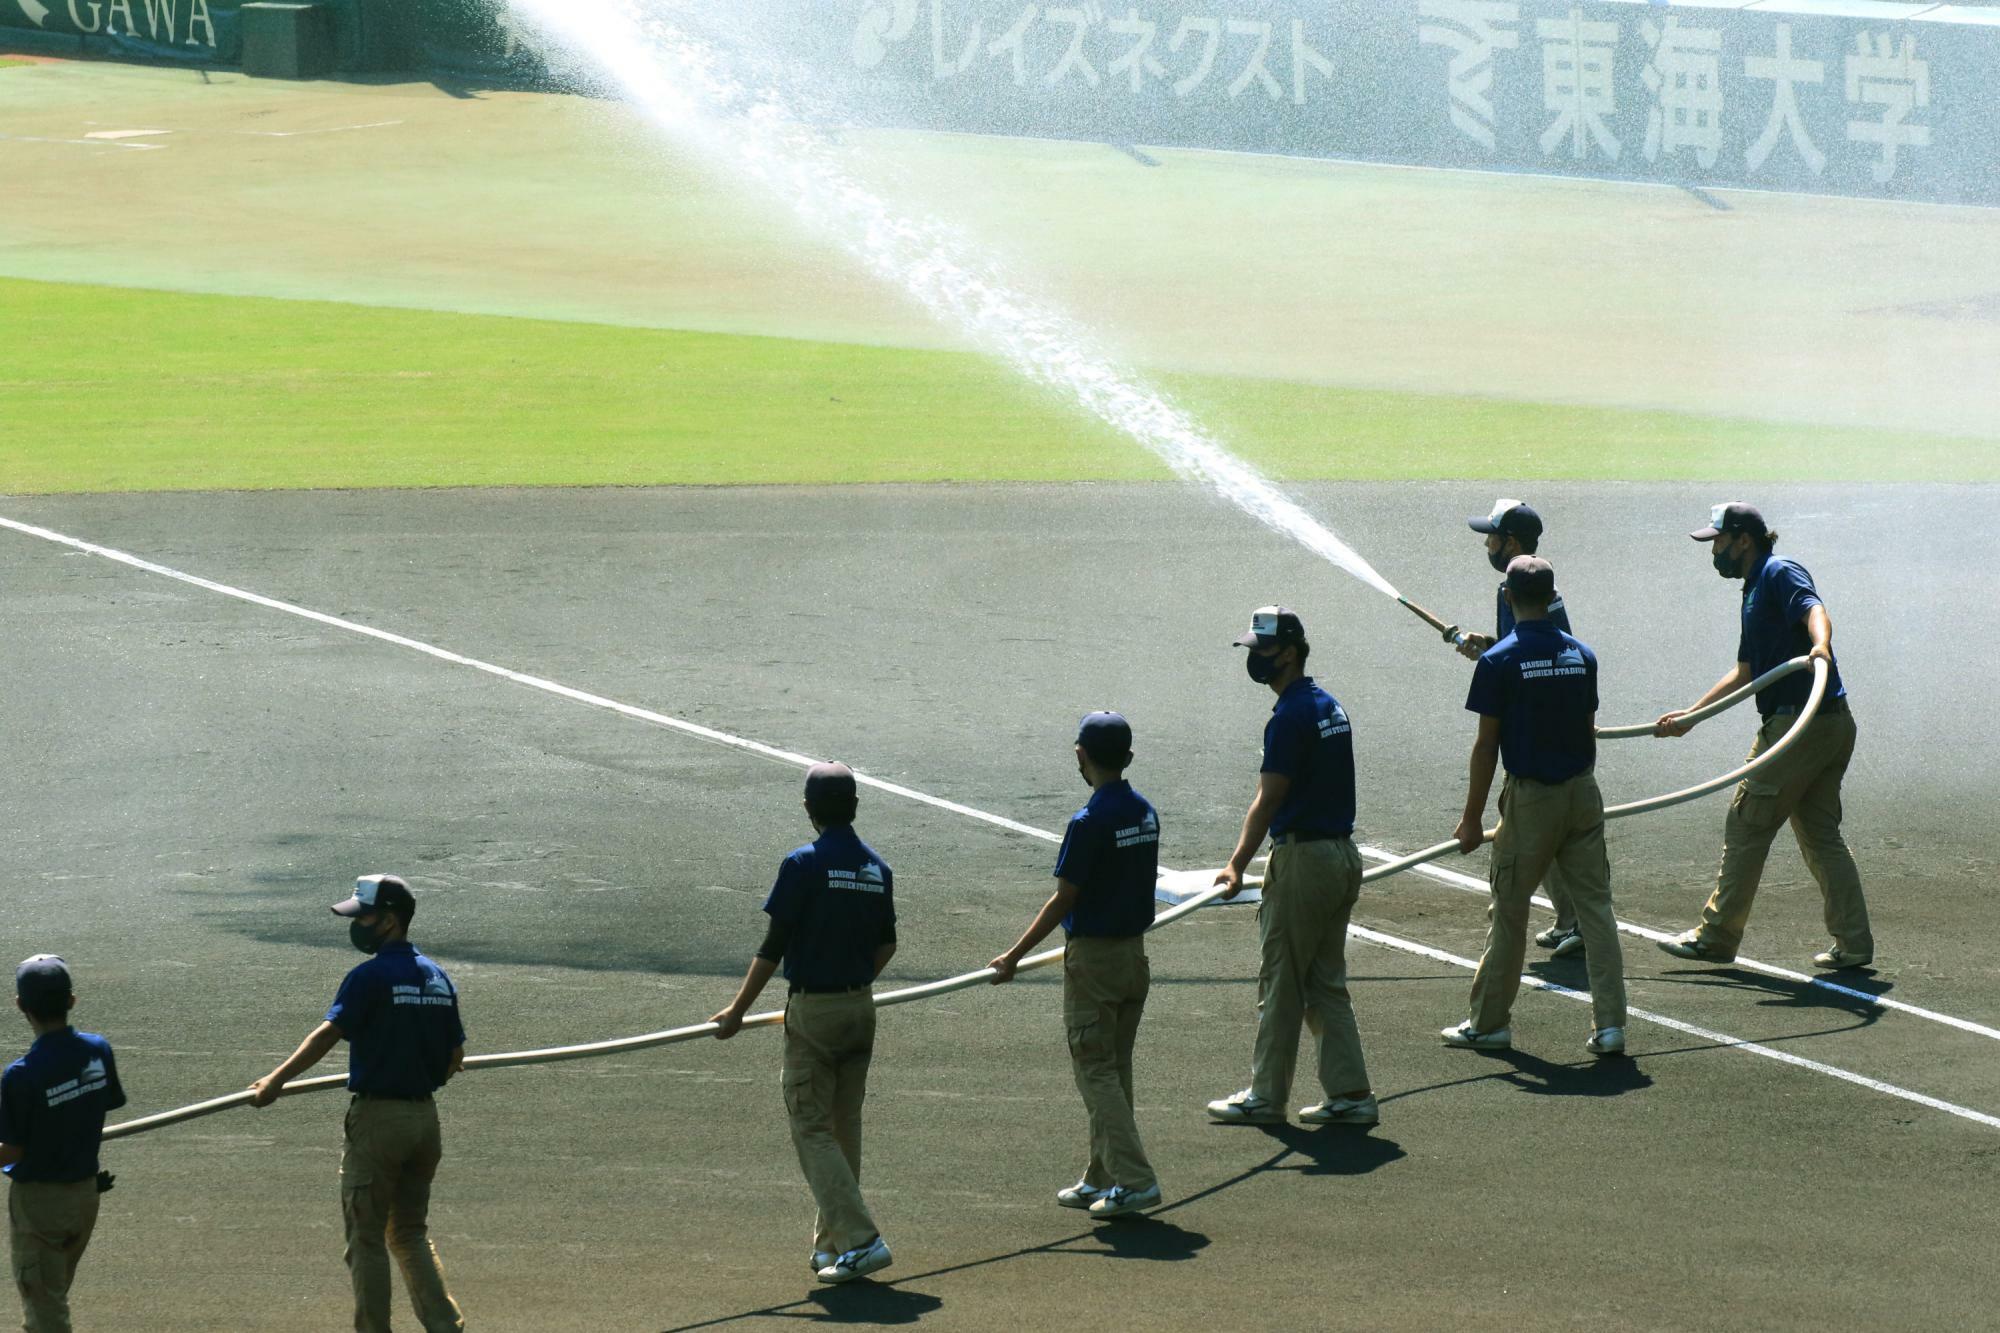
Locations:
{"points": [[1287, 839]]}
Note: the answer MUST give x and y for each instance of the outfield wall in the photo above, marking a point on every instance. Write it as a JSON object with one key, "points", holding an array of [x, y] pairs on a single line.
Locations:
{"points": [[1846, 97], [369, 35], [1856, 97]]}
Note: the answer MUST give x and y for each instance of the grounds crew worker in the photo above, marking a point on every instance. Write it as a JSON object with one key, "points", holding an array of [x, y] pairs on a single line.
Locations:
{"points": [[1305, 801], [52, 1106], [1512, 530], [833, 927], [1782, 618], [1105, 876], [398, 1013], [1536, 695]]}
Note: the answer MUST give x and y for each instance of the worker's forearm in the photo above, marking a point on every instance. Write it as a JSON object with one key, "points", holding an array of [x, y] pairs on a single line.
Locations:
{"points": [[310, 1052], [1046, 920], [754, 981], [1256, 825], [1737, 677]]}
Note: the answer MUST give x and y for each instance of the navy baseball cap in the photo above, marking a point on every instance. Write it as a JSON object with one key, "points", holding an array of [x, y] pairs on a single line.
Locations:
{"points": [[1105, 737], [378, 893], [1733, 517], [1531, 578], [829, 782], [1272, 627], [43, 977], [1510, 517]]}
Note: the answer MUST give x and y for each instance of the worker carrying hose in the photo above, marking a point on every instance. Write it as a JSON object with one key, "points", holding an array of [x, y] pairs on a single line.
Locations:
{"points": [[1512, 530], [1782, 618], [52, 1106], [1105, 876], [398, 1013], [1305, 802], [832, 930], [1535, 692]]}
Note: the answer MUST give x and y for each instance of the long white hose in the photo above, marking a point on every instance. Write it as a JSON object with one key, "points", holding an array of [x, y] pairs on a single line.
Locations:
{"points": [[646, 1041], [1730, 700]]}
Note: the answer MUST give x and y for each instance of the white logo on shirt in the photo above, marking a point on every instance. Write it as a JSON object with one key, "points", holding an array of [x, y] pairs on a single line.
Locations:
{"points": [[1145, 831], [420, 995], [1337, 725], [1569, 663], [868, 879], [93, 1079]]}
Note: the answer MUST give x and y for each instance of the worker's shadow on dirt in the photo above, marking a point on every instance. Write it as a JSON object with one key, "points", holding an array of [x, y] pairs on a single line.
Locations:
{"points": [[1787, 993], [1610, 1077], [863, 1302], [866, 1303], [1330, 1150]]}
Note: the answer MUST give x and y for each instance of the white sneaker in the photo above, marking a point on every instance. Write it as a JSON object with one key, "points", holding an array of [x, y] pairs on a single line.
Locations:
{"points": [[1081, 1195], [870, 1258], [821, 1258], [1471, 1038], [1245, 1108], [1606, 1041], [1342, 1111], [1117, 1201]]}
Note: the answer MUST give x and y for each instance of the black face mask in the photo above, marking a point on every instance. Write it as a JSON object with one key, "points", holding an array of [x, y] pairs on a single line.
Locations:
{"points": [[1727, 565], [1498, 559], [365, 938], [1263, 669]]}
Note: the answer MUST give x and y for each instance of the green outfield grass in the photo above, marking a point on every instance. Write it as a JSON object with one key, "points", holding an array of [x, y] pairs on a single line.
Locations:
{"points": [[113, 389]]}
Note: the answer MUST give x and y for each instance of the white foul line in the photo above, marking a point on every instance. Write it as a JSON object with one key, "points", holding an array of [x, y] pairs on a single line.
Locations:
{"points": [[518, 677], [1000, 821], [336, 129], [1460, 880], [84, 143], [1720, 1038]]}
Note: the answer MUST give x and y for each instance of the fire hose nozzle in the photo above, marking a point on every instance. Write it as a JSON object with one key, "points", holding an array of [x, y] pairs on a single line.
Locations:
{"points": [[1451, 633]]}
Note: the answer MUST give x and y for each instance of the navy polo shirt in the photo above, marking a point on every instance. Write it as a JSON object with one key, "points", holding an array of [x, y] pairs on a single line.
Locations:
{"points": [[1542, 685], [399, 1014], [1310, 741], [836, 899], [1776, 598], [52, 1106], [1111, 851], [1504, 622]]}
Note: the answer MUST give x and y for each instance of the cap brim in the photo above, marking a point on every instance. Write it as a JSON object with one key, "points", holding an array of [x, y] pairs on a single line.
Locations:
{"points": [[1483, 524], [1253, 641], [352, 907], [1706, 534]]}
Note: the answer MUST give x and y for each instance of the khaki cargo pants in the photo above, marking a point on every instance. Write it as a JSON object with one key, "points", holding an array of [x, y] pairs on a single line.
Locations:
{"points": [[391, 1156], [1309, 893], [1105, 981], [1801, 786], [1546, 824], [829, 1041], [51, 1226]]}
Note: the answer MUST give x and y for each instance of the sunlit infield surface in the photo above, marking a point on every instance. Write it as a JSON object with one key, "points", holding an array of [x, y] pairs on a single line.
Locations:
{"points": [[569, 443]]}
